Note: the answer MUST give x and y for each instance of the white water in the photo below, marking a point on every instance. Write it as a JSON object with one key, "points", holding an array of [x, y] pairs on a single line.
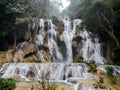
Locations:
{"points": [[68, 35], [90, 46], [40, 39], [40, 34], [59, 71], [91, 49], [56, 71], [52, 39]]}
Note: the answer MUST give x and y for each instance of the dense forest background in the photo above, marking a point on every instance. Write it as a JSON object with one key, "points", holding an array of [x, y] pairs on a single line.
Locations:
{"points": [[101, 17]]}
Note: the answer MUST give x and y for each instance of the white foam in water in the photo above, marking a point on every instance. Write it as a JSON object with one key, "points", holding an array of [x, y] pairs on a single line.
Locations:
{"points": [[48, 71], [68, 35], [52, 43], [59, 71], [91, 48]]}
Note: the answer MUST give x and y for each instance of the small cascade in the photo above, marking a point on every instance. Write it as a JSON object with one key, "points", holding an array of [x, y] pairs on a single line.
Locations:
{"points": [[40, 39], [50, 71], [68, 34], [47, 41], [52, 43], [91, 48]]}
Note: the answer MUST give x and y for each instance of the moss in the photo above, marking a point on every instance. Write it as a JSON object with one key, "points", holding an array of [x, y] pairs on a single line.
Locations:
{"points": [[92, 67], [37, 61], [79, 60], [109, 70], [7, 84]]}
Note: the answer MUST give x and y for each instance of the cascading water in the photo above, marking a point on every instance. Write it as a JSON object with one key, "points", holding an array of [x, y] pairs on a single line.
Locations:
{"points": [[40, 39], [68, 35], [91, 48], [52, 39], [56, 71], [40, 34], [59, 71]]}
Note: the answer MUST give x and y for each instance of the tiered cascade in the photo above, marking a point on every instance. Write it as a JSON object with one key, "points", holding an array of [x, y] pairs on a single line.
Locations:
{"points": [[62, 67]]}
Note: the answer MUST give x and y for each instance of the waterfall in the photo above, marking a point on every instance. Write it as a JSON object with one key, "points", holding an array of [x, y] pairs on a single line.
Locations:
{"points": [[64, 69], [68, 34], [40, 39], [52, 43], [50, 71], [40, 34], [91, 48]]}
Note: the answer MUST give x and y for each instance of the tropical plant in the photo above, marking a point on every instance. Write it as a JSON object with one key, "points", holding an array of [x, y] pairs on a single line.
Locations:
{"points": [[7, 84]]}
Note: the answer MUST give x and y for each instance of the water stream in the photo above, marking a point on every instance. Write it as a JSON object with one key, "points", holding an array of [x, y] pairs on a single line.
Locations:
{"points": [[91, 49], [62, 67]]}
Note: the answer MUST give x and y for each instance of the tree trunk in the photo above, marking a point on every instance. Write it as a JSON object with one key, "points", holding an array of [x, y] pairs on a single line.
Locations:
{"points": [[115, 39], [29, 30], [109, 53], [15, 40]]}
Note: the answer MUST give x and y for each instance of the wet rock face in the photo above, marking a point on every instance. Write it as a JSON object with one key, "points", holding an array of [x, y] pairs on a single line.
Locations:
{"points": [[24, 50], [5, 57]]}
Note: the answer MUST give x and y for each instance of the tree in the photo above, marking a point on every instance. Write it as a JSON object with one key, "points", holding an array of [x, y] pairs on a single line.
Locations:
{"points": [[107, 20], [16, 14], [100, 17]]}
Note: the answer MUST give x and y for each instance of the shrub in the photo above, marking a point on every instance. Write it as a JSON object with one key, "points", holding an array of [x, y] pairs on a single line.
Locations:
{"points": [[109, 70], [118, 63], [7, 84], [1, 73], [79, 60]]}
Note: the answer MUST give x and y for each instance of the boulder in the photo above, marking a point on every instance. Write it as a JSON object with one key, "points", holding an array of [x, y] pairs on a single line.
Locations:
{"points": [[31, 58], [18, 56], [27, 48], [5, 57], [25, 51]]}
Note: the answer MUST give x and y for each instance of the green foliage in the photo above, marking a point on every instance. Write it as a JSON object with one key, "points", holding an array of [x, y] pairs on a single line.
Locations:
{"points": [[15, 13], [1, 73], [98, 13], [118, 63], [109, 70], [6, 20], [7, 84], [112, 77]]}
